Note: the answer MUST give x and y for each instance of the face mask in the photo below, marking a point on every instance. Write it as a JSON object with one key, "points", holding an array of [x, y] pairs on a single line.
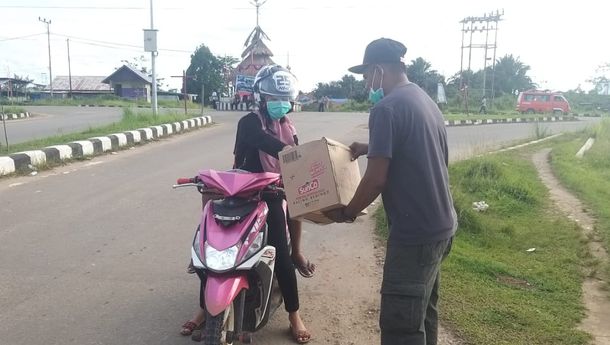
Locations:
{"points": [[376, 95], [278, 109]]}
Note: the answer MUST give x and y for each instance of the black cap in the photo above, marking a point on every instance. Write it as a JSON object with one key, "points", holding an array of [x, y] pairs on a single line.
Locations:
{"points": [[383, 50]]}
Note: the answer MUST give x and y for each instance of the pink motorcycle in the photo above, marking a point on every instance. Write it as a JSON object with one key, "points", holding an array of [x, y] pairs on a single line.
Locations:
{"points": [[231, 255]]}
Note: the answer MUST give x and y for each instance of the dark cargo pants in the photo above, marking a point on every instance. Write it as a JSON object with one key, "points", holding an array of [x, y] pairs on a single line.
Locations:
{"points": [[409, 293]]}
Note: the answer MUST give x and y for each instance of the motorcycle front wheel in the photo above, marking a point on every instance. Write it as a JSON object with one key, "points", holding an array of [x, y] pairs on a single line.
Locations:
{"points": [[219, 329]]}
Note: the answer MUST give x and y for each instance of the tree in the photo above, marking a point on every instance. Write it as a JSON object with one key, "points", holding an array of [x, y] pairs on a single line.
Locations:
{"points": [[421, 73], [347, 87], [600, 81], [511, 76], [208, 70], [139, 63]]}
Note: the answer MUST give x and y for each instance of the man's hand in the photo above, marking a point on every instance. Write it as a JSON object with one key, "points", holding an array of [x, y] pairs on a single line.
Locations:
{"points": [[337, 215], [358, 149]]}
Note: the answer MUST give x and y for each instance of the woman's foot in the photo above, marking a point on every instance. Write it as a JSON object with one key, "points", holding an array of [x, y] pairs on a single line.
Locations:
{"points": [[189, 327], [195, 323], [299, 332], [303, 266]]}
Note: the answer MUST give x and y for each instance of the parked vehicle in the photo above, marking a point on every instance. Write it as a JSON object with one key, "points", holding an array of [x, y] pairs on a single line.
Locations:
{"points": [[535, 101]]}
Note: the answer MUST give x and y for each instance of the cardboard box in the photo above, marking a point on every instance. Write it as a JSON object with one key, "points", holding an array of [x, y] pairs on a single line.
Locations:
{"points": [[318, 176]]}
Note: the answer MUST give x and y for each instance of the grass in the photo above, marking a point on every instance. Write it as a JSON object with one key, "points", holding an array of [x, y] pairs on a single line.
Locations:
{"points": [[12, 110], [110, 101], [513, 115], [588, 177], [493, 290], [131, 120]]}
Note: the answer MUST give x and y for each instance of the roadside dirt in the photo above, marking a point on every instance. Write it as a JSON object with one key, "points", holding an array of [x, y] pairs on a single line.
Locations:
{"points": [[595, 298], [340, 305]]}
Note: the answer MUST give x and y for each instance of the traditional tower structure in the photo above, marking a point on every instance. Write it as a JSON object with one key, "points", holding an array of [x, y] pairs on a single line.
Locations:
{"points": [[255, 56]]}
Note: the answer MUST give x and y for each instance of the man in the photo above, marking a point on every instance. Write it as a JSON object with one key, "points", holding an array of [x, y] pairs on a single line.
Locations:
{"points": [[483, 108], [407, 164]]}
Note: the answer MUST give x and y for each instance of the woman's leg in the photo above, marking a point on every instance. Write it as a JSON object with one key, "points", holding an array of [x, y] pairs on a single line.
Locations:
{"points": [[284, 269]]}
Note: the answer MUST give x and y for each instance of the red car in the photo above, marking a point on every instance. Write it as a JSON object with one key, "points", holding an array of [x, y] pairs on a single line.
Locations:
{"points": [[534, 101]]}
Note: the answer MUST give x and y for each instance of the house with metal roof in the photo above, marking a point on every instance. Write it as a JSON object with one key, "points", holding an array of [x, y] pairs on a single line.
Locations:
{"points": [[128, 82], [81, 86]]}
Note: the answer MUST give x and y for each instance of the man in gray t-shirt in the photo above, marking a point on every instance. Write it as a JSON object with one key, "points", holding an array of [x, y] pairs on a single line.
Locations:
{"points": [[407, 164]]}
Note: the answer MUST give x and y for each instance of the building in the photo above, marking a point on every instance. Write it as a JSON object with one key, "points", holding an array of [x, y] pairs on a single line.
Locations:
{"points": [[79, 86], [255, 56], [128, 82]]}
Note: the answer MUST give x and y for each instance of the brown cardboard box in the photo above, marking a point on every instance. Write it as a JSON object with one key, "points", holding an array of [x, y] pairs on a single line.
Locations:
{"points": [[318, 176]]}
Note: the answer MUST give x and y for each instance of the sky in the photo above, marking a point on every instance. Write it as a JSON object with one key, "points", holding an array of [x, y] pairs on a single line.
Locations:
{"points": [[563, 43]]}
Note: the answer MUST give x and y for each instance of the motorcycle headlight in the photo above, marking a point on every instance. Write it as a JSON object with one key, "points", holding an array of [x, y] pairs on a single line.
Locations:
{"points": [[220, 260]]}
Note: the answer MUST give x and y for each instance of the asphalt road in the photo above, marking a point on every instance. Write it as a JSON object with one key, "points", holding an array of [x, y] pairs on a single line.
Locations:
{"points": [[95, 252]]}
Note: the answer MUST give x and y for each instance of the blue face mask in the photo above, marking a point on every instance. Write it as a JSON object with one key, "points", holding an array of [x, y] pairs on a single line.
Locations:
{"points": [[376, 95], [278, 109]]}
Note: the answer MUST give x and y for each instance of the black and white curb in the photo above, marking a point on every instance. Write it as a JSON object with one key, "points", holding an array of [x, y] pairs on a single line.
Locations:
{"points": [[14, 116], [93, 146], [451, 123]]}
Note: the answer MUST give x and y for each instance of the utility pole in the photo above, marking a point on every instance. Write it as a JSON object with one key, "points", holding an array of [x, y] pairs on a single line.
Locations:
{"points": [[493, 67], [488, 22], [69, 68], [48, 22], [258, 4], [202, 97], [184, 94], [150, 45], [462, 56]]}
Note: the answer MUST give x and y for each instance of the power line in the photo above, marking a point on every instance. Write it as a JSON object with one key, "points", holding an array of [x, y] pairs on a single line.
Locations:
{"points": [[21, 37], [81, 7], [119, 44]]}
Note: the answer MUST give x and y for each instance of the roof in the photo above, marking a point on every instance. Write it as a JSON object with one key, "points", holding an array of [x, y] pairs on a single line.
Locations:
{"points": [[79, 83], [128, 69], [257, 48], [6, 80]]}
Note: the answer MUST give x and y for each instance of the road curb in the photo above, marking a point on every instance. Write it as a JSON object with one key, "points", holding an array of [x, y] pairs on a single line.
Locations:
{"points": [[22, 161], [13, 116], [455, 123]]}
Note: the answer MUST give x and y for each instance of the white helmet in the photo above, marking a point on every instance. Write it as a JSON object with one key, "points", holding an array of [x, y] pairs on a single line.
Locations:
{"points": [[276, 81]]}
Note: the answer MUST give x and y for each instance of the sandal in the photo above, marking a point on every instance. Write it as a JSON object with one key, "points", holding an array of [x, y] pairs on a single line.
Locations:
{"points": [[300, 337], [306, 270], [189, 327]]}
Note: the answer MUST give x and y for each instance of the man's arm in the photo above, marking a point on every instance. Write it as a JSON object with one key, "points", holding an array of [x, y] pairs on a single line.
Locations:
{"points": [[372, 184]]}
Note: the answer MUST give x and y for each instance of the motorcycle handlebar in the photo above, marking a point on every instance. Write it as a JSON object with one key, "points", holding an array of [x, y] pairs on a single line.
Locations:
{"points": [[185, 180]]}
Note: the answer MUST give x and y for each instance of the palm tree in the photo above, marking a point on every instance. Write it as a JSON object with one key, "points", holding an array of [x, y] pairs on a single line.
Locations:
{"points": [[511, 75], [421, 73]]}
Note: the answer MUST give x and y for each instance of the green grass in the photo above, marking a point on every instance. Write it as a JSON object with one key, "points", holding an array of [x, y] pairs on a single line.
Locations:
{"points": [[11, 110], [463, 116], [493, 291], [110, 101], [131, 120], [588, 177]]}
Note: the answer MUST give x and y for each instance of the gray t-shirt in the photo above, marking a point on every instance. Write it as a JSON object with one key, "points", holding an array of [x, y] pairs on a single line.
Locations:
{"points": [[407, 127]]}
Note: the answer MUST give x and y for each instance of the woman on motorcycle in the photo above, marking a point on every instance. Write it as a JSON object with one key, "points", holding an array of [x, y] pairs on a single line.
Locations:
{"points": [[261, 135]]}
